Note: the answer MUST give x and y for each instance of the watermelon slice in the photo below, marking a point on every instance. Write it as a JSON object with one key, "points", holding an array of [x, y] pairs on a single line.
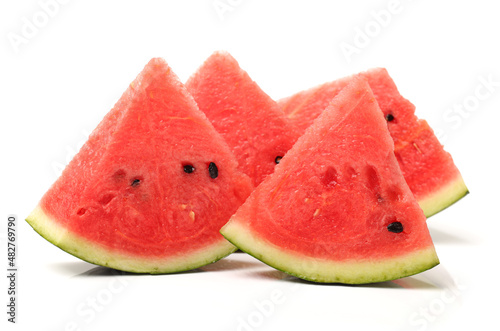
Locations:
{"points": [[150, 189], [249, 120], [428, 169], [337, 208]]}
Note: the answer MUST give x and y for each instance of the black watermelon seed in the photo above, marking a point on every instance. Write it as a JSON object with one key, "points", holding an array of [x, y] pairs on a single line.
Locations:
{"points": [[135, 182], [395, 227], [389, 117], [278, 159], [188, 168], [213, 171]]}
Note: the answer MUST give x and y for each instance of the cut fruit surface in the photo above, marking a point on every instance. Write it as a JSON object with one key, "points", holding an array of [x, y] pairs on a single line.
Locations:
{"points": [[251, 122], [428, 169], [337, 208], [150, 189]]}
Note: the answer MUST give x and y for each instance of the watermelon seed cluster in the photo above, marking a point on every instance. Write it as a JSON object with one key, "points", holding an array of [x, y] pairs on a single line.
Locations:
{"points": [[213, 171]]}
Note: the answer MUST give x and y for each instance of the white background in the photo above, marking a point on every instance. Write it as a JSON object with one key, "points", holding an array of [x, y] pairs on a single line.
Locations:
{"points": [[58, 80]]}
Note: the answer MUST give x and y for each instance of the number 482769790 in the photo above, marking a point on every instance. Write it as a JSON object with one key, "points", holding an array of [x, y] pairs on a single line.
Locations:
{"points": [[11, 241]]}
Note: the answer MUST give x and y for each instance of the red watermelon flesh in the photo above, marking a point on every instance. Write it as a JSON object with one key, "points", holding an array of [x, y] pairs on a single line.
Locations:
{"points": [[429, 170], [152, 186], [249, 120], [337, 208]]}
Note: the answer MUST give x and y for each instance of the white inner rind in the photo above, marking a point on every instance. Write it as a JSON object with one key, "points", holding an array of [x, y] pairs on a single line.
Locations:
{"points": [[327, 271], [443, 198], [95, 253]]}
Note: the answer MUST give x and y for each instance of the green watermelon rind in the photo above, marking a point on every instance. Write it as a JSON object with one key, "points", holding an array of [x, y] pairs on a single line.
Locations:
{"points": [[97, 254], [443, 198], [325, 271]]}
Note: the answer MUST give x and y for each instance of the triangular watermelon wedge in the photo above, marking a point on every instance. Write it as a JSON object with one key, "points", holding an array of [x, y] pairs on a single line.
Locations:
{"points": [[337, 208], [428, 169], [150, 189], [252, 123]]}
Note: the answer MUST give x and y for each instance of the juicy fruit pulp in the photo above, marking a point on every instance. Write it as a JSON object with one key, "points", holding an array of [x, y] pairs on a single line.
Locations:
{"points": [[251, 122], [152, 186], [330, 211], [428, 169]]}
